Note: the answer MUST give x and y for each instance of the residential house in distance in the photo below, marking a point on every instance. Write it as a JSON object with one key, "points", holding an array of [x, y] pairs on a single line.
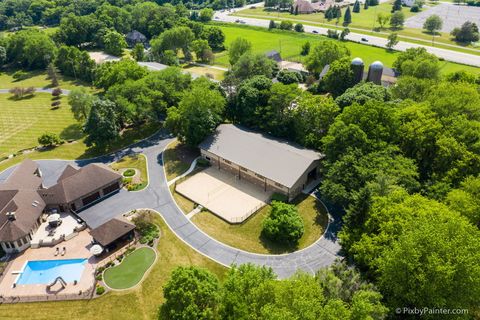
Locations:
{"points": [[303, 7], [275, 165], [134, 37], [24, 199]]}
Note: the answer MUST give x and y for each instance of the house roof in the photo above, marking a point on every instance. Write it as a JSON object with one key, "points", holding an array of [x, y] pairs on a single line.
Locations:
{"points": [[135, 35], [303, 6], [275, 159], [274, 54], [111, 231], [76, 183], [18, 195]]}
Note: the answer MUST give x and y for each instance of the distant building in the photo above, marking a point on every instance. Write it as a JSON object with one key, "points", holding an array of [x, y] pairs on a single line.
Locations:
{"points": [[274, 55], [303, 7], [408, 3], [134, 37], [275, 165], [24, 199]]}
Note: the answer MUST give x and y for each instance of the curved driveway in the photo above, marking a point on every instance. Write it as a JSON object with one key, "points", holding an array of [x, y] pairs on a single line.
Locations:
{"points": [[158, 197]]}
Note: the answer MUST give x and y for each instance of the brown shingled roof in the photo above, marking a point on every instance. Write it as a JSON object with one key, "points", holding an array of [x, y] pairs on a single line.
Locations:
{"points": [[73, 185], [111, 231]]}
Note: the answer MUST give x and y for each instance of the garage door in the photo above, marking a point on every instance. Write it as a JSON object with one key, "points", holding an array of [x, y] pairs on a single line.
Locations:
{"points": [[111, 188], [91, 198]]}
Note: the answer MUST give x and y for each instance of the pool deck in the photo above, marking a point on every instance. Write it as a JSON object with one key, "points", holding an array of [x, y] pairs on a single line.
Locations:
{"points": [[76, 248]]}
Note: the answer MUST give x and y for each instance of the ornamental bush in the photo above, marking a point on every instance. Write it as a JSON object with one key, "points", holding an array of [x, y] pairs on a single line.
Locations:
{"points": [[284, 224]]}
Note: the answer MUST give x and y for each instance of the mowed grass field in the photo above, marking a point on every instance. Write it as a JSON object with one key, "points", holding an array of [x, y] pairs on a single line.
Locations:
{"points": [[289, 44], [140, 303], [37, 79], [23, 121], [365, 20]]}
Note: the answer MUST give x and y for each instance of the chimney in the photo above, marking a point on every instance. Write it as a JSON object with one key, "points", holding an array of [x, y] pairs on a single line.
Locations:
{"points": [[11, 216]]}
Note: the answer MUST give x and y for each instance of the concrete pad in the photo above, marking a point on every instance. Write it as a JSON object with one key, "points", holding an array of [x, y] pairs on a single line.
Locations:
{"points": [[223, 194]]}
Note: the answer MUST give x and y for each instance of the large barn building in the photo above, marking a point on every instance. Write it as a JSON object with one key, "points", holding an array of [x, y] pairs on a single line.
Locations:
{"points": [[274, 164]]}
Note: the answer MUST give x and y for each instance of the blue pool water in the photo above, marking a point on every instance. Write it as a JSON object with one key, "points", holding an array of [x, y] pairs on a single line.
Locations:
{"points": [[45, 271]]}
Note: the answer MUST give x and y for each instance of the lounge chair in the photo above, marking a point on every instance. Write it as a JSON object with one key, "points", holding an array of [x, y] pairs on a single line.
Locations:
{"points": [[64, 250], [57, 251]]}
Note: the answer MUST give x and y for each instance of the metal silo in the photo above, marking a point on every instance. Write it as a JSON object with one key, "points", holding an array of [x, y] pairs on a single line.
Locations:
{"points": [[375, 72], [357, 68]]}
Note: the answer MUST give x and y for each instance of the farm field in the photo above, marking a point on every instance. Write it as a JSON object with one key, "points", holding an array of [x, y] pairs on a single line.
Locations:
{"points": [[289, 43]]}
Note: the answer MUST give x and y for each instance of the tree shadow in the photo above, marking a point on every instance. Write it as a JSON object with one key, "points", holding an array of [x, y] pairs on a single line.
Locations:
{"points": [[72, 132]]}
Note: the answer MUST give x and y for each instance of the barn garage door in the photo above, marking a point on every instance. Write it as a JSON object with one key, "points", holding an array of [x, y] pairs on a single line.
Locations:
{"points": [[91, 198], [113, 187]]}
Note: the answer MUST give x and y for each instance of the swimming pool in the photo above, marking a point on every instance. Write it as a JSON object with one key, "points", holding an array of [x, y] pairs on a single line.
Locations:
{"points": [[45, 271]]}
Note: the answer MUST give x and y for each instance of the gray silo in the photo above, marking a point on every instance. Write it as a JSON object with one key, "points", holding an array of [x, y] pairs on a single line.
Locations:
{"points": [[357, 68], [375, 72]]}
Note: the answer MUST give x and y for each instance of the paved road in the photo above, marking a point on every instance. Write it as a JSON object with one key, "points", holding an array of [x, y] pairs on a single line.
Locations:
{"points": [[449, 55], [157, 196]]}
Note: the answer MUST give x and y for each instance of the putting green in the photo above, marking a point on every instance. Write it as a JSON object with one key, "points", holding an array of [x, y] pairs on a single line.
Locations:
{"points": [[131, 270]]}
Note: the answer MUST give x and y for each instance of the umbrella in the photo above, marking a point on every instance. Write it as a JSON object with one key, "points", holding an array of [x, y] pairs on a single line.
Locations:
{"points": [[96, 249], [53, 217]]}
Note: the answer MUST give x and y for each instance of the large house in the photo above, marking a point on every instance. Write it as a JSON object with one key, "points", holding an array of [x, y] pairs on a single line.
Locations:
{"points": [[271, 163], [24, 199]]}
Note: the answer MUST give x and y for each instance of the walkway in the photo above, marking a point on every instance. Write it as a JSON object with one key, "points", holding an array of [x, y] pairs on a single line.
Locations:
{"points": [[40, 90], [158, 197]]}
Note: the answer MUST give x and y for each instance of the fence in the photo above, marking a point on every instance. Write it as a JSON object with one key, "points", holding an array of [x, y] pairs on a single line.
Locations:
{"points": [[49, 297]]}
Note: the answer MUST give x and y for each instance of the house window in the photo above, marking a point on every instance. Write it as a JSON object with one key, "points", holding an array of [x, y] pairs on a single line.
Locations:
{"points": [[7, 244], [259, 176], [19, 242], [244, 169], [278, 184], [226, 161]]}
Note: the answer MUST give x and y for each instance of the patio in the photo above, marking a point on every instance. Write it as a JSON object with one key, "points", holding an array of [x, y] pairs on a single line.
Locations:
{"points": [[47, 235]]}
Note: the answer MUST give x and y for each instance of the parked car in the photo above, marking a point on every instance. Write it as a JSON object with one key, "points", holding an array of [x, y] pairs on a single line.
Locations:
{"points": [[314, 31], [364, 39]]}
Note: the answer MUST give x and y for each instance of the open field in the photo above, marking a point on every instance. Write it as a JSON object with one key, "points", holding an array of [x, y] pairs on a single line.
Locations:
{"points": [[289, 45], [37, 79], [131, 270], [23, 121], [247, 236], [137, 162], [78, 149], [139, 303], [363, 22], [205, 71]]}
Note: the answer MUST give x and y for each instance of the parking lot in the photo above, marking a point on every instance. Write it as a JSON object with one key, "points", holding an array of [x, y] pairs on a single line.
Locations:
{"points": [[452, 15]]}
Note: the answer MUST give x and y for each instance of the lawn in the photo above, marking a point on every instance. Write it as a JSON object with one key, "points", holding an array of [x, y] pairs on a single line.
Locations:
{"points": [[177, 158], [137, 162], [212, 73], [247, 236], [289, 45], [131, 270], [78, 149], [23, 121], [139, 303], [365, 21], [38, 79]]}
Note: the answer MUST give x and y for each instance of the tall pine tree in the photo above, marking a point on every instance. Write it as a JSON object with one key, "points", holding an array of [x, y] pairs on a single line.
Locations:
{"points": [[356, 7], [347, 19], [365, 6]]}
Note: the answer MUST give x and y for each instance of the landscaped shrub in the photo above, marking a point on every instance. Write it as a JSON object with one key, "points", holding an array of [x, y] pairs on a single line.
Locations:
{"points": [[56, 104], [100, 290], [279, 197], [57, 92], [99, 277], [20, 75], [284, 224], [129, 173], [49, 139], [203, 162], [145, 227]]}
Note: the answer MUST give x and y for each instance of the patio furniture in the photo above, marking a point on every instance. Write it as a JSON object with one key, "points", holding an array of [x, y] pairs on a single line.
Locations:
{"points": [[96, 249], [57, 251], [54, 220], [64, 250]]}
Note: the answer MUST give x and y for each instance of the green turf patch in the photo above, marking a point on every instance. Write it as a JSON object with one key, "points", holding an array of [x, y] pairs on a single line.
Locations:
{"points": [[131, 270]]}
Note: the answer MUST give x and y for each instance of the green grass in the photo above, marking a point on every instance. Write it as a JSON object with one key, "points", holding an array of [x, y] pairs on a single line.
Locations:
{"points": [[289, 45], [247, 236], [177, 159], [23, 121], [38, 79], [363, 22], [78, 149], [137, 161], [139, 303], [203, 71], [131, 270]]}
